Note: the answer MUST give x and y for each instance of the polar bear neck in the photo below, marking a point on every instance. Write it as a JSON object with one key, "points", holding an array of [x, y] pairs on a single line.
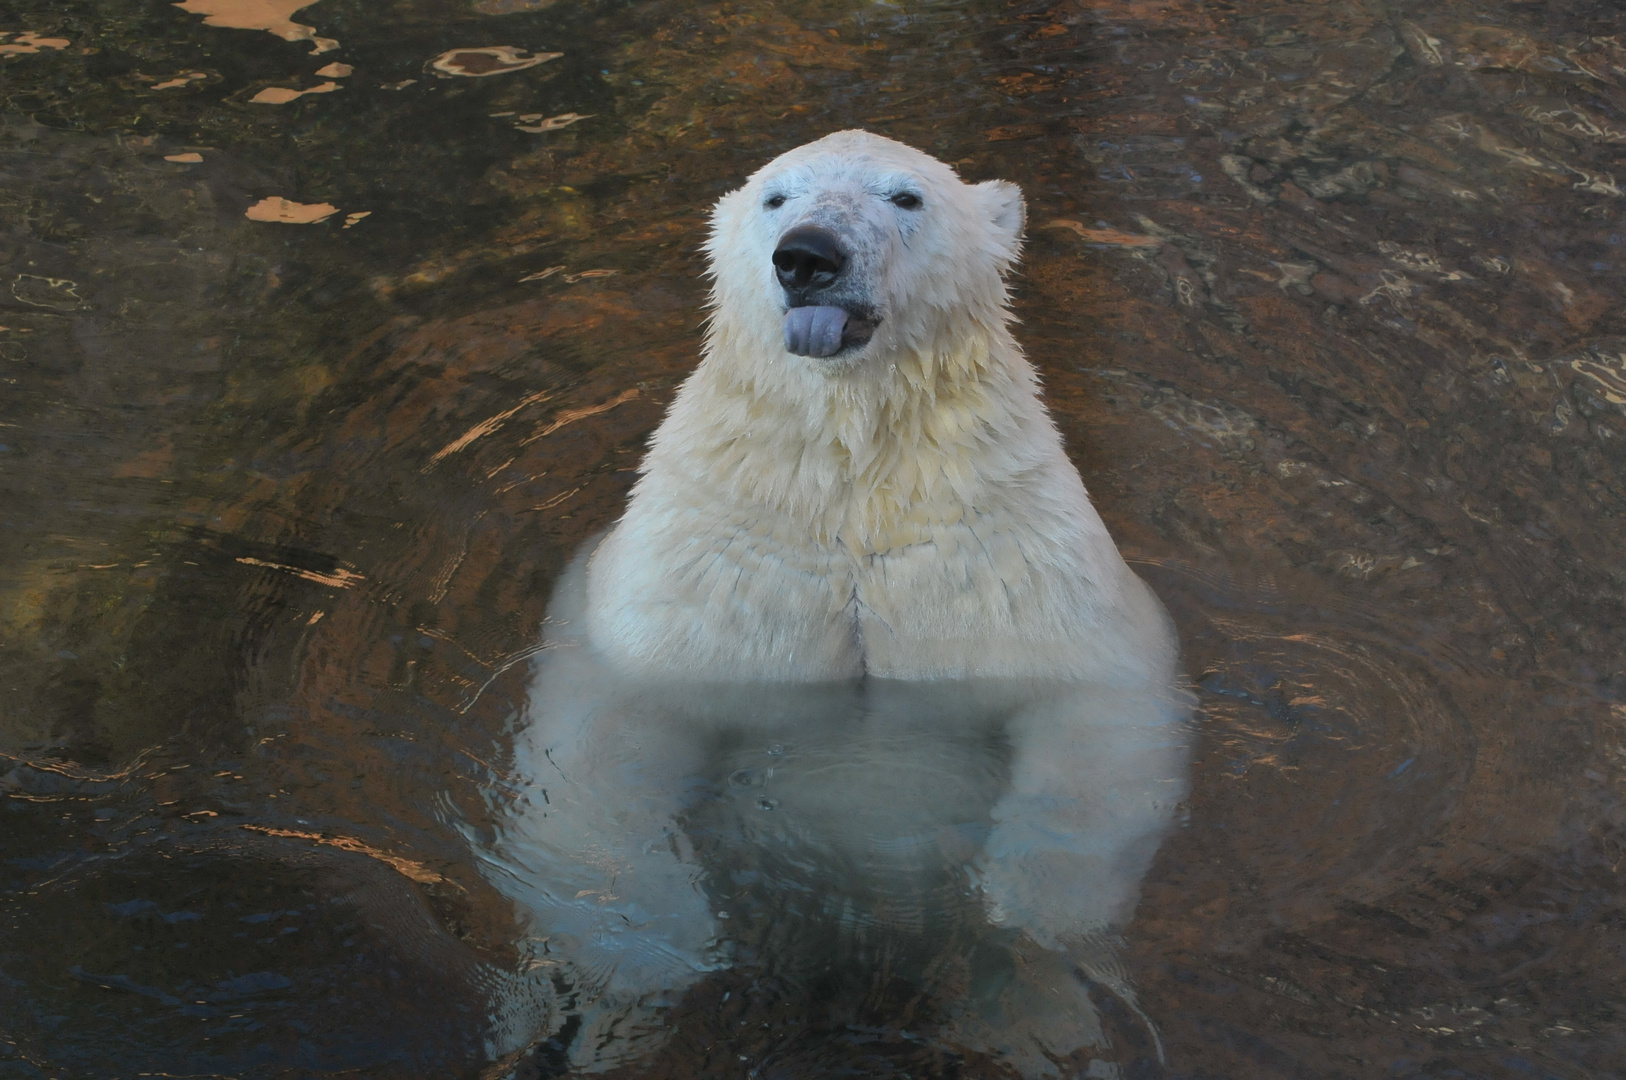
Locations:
{"points": [[873, 458]]}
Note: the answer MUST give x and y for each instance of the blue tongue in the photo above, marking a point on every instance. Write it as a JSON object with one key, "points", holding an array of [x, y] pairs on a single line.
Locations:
{"points": [[814, 331]]}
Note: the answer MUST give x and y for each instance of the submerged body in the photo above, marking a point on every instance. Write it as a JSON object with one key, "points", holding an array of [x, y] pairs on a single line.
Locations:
{"points": [[857, 539]]}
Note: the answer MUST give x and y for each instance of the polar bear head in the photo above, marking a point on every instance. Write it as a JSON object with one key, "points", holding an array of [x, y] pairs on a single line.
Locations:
{"points": [[854, 247]]}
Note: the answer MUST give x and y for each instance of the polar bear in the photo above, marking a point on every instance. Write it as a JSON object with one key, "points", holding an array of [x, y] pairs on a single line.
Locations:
{"points": [[859, 571], [892, 502]]}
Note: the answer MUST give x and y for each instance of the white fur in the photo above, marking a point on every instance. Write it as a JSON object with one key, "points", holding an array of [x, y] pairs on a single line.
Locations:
{"points": [[902, 511], [907, 512]]}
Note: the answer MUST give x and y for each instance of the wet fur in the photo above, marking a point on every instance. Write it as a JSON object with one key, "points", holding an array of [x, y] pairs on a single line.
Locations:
{"points": [[904, 510]]}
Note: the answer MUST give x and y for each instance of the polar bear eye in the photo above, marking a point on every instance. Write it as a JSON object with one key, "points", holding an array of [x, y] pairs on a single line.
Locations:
{"points": [[906, 200], [774, 202]]}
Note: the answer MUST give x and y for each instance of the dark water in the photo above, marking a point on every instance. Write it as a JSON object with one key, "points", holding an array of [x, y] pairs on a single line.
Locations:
{"points": [[1327, 302]]}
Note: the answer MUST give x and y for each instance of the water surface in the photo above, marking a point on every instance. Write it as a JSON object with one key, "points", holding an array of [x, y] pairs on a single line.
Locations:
{"points": [[1326, 300]]}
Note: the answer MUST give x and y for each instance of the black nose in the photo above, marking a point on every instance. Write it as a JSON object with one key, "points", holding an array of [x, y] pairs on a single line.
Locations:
{"points": [[808, 258]]}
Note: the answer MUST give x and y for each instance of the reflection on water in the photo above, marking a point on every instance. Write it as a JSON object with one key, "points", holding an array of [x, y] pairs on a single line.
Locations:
{"points": [[1326, 300]]}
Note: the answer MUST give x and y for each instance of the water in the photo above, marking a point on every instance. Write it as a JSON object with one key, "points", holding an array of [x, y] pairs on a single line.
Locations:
{"points": [[1325, 299]]}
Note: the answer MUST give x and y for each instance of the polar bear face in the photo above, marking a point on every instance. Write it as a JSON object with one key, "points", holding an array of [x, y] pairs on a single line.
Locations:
{"points": [[854, 247]]}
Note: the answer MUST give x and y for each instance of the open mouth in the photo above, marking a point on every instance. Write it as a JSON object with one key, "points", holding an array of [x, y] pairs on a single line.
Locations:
{"points": [[822, 331]]}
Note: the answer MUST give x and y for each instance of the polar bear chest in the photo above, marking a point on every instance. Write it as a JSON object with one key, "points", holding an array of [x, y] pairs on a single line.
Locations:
{"points": [[758, 597]]}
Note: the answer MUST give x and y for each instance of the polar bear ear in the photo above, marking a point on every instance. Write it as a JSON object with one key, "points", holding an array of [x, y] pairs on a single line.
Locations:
{"points": [[1002, 204]]}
